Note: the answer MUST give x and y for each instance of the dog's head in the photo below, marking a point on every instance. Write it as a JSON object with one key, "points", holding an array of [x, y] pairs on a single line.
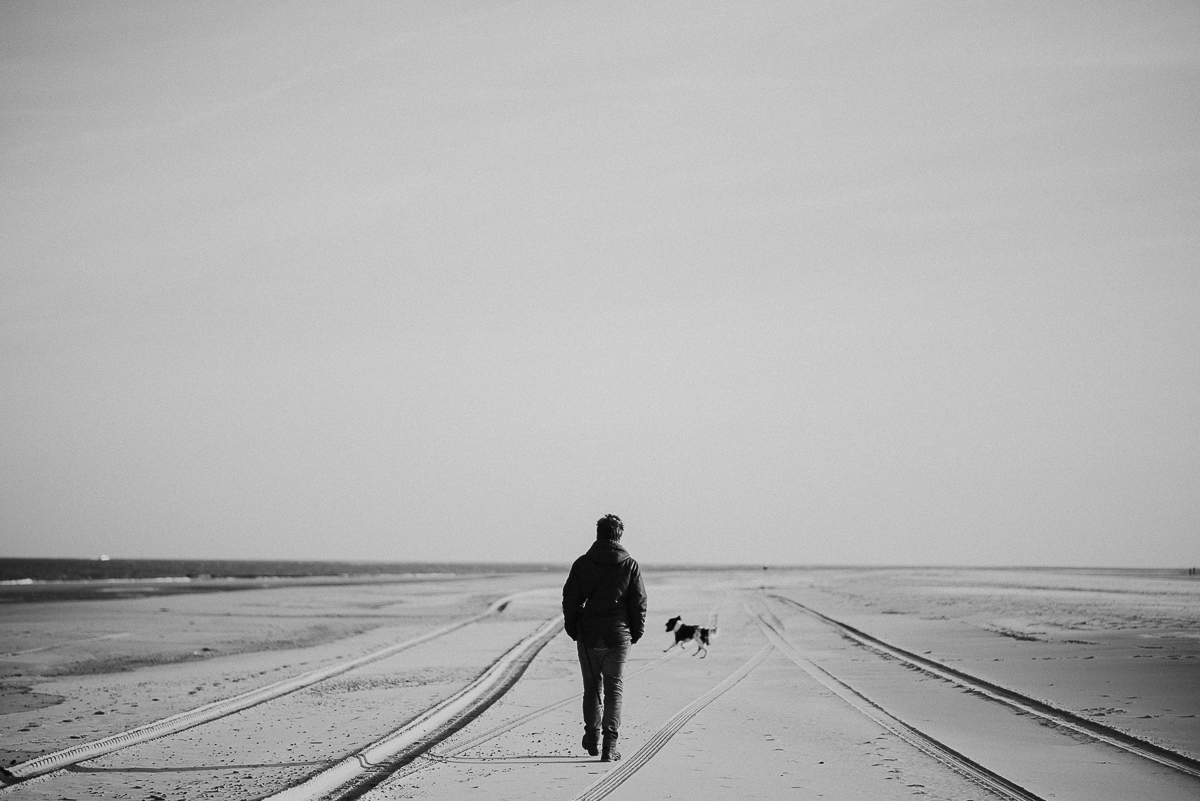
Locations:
{"points": [[671, 623]]}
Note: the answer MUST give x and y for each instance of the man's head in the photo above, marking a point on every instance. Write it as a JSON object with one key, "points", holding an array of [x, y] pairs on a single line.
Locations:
{"points": [[609, 527]]}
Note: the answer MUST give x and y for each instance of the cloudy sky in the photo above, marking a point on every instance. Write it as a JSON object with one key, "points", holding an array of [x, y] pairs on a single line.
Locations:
{"points": [[786, 282]]}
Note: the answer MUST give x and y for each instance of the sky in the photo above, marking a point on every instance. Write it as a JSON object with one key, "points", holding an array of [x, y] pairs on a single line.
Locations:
{"points": [[776, 282]]}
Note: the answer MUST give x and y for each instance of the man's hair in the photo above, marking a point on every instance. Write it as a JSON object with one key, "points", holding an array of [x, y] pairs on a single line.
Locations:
{"points": [[609, 527]]}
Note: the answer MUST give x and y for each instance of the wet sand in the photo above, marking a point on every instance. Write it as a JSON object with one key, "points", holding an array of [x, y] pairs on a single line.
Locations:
{"points": [[750, 720]]}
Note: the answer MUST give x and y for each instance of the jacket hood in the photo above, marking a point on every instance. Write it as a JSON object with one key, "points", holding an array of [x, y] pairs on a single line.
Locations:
{"points": [[607, 552]]}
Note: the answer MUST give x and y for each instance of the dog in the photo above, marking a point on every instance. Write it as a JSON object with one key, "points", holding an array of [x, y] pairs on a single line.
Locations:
{"points": [[685, 634]]}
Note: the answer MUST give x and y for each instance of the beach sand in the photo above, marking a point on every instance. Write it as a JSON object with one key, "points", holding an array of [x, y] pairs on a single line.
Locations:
{"points": [[775, 710]]}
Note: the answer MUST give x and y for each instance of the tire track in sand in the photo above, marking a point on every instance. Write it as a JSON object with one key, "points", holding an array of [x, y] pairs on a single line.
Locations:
{"points": [[370, 766], [627, 767], [1010, 698], [430, 758], [960, 764], [52, 764], [491, 734]]}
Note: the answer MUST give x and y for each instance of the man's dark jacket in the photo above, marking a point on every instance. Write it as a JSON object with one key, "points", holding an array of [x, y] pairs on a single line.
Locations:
{"points": [[604, 596]]}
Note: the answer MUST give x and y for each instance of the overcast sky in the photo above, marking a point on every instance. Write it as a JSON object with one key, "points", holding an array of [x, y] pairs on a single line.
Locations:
{"points": [[778, 282]]}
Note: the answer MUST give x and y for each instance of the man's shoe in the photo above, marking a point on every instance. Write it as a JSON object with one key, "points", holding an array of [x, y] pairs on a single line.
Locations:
{"points": [[589, 742], [610, 754]]}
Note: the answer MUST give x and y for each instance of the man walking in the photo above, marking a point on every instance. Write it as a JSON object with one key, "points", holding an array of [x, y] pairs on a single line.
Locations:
{"points": [[604, 607]]}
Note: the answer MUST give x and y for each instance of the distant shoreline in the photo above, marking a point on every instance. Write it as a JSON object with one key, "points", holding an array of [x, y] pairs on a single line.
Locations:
{"points": [[45, 570], [35, 580], [25, 580], [38, 570]]}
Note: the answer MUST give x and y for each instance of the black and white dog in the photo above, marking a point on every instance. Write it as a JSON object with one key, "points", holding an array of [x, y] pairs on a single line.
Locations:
{"points": [[685, 634]]}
